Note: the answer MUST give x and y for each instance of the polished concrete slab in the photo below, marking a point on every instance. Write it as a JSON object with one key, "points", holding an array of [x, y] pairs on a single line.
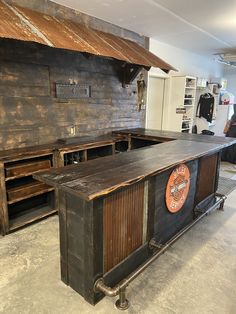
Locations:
{"points": [[197, 275]]}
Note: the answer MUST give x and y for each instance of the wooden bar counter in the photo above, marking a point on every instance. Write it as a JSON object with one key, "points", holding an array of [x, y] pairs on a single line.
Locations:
{"points": [[112, 207]]}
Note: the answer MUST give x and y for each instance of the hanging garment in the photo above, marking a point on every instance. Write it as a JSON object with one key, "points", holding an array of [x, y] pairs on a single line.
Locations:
{"points": [[205, 107]]}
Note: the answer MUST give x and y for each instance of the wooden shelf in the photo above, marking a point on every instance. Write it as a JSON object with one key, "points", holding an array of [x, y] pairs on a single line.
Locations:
{"points": [[20, 170], [17, 194], [29, 216], [189, 87], [182, 94]]}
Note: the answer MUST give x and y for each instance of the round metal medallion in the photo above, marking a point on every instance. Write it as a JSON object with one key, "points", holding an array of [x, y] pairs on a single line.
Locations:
{"points": [[177, 188]]}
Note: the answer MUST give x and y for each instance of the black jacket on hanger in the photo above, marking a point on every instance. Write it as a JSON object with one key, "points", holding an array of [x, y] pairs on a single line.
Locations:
{"points": [[206, 106]]}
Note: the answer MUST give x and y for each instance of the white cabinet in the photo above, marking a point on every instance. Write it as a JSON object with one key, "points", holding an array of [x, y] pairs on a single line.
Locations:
{"points": [[179, 111]]}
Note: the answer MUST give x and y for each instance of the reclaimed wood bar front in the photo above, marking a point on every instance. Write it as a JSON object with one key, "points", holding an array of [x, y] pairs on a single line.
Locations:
{"points": [[111, 209]]}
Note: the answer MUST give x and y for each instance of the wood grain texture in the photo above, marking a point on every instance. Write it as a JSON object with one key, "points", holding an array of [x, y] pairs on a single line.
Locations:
{"points": [[62, 212], [11, 155], [169, 136], [61, 146], [4, 218], [22, 199], [28, 167], [123, 224], [30, 112], [25, 191], [207, 177], [151, 208], [94, 179], [81, 244], [16, 80]]}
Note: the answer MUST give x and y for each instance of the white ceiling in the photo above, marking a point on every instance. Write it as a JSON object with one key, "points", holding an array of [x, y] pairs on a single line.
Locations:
{"points": [[202, 26]]}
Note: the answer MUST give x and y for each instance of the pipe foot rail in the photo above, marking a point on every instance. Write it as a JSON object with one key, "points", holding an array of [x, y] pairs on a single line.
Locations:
{"points": [[120, 289]]}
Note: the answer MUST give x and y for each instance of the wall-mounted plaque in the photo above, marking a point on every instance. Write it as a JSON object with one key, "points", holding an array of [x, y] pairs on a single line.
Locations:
{"points": [[72, 91], [180, 110], [177, 188]]}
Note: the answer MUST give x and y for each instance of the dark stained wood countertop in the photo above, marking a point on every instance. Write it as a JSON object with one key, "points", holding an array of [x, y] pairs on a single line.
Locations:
{"points": [[26, 152], [61, 145], [169, 135], [102, 176], [88, 141]]}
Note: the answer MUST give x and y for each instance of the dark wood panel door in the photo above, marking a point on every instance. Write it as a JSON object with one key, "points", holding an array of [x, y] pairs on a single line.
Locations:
{"points": [[123, 224]]}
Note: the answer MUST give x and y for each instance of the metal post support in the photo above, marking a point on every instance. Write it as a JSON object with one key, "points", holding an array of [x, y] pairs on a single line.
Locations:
{"points": [[122, 303]]}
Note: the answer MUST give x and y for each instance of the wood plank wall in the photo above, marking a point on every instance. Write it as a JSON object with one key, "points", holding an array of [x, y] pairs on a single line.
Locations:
{"points": [[30, 114]]}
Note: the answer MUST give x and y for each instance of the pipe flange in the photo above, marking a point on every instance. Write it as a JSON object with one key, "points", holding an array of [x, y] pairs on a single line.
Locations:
{"points": [[122, 305], [97, 282]]}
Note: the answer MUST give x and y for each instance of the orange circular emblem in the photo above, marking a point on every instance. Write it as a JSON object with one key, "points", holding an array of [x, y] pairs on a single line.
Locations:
{"points": [[177, 188]]}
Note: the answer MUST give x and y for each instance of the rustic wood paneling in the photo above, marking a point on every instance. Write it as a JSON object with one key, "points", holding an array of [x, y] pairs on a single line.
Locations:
{"points": [[4, 219], [31, 114], [22, 79], [207, 177], [123, 224], [81, 244]]}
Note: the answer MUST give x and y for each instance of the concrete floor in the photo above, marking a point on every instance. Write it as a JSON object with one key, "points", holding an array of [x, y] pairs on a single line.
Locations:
{"points": [[197, 275]]}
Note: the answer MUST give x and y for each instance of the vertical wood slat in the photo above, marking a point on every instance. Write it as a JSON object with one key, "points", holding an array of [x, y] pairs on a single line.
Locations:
{"points": [[62, 212], [206, 177], [4, 219], [123, 224]]}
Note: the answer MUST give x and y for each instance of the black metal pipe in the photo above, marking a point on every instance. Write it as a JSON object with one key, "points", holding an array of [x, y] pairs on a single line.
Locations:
{"points": [[162, 250], [112, 292]]}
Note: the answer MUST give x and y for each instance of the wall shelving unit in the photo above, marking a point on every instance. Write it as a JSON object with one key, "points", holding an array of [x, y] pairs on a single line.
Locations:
{"points": [[23, 199], [180, 109]]}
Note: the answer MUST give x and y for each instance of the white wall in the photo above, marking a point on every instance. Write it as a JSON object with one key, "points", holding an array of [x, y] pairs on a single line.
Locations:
{"points": [[230, 74], [187, 63]]}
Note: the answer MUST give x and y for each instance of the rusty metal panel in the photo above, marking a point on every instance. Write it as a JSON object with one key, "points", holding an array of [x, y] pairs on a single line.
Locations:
{"points": [[96, 45], [27, 25], [12, 26], [72, 36], [151, 59], [123, 224]]}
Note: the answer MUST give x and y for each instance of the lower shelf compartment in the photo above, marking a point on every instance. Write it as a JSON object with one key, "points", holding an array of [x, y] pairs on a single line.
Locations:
{"points": [[17, 194], [139, 143], [29, 210], [97, 152], [27, 217]]}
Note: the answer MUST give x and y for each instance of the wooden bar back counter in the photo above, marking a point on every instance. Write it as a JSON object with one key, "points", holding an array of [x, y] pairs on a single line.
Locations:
{"points": [[120, 212], [23, 199]]}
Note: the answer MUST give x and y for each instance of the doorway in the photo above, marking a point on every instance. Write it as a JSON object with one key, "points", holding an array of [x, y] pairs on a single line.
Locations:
{"points": [[156, 98]]}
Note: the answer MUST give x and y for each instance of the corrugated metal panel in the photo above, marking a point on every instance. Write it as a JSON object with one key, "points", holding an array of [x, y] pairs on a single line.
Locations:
{"points": [[123, 224], [12, 26], [27, 25]]}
